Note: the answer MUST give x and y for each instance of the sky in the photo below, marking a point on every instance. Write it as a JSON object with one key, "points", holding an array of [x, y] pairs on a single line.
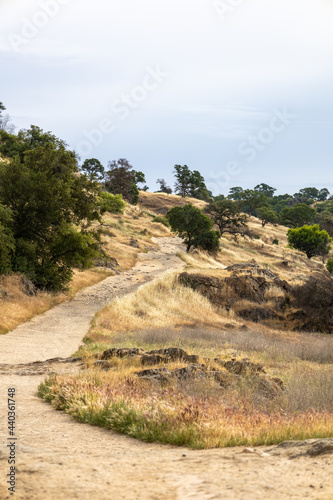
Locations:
{"points": [[240, 90]]}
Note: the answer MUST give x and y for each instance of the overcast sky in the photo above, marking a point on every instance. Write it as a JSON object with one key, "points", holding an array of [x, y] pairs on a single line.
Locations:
{"points": [[240, 90]]}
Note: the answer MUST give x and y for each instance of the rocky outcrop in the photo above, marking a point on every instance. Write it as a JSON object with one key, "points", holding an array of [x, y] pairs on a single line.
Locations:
{"points": [[193, 371], [246, 281], [240, 367], [151, 358], [309, 447], [28, 286], [314, 301], [243, 287], [232, 370]]}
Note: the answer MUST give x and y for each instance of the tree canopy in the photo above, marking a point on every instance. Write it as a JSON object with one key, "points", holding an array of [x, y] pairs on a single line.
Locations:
{"points": [[265, 189], [310, 240], [48, 209], [267, 215], [122, 179], [190, 183], [226, 214], [193, 227], [297, 216], [94, 169], [164, 188]]}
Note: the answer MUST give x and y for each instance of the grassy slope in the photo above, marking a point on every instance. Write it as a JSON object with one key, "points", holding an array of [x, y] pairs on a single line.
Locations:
{"points": [[125, 237], [193, 412]]}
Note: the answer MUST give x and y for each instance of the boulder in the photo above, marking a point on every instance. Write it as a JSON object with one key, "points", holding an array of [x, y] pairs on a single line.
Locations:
{"points": [[247, 281], [241, 367], [28, 286]]}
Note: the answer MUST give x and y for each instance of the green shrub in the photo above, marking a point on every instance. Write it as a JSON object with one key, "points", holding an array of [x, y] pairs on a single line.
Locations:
{"points": [[161, 220], [113, 203], [209, 241], [329, 265], [275, 241], [310, 240]]}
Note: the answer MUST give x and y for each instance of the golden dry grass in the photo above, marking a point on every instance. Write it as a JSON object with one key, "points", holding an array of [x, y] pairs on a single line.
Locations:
{"points": [[128, 234], [160, 203], [163, 302], [192, 414], [18, 307], [201, 260]]}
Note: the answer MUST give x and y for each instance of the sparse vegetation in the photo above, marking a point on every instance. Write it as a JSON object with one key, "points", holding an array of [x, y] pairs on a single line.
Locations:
{"points": [[197, 412]]}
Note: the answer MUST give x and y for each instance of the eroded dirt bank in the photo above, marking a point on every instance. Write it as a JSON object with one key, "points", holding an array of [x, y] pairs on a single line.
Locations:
{"points": [[60, 459]]}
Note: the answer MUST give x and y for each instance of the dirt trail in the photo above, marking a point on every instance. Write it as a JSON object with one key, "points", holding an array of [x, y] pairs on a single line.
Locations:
{"points": [[60, 459]]}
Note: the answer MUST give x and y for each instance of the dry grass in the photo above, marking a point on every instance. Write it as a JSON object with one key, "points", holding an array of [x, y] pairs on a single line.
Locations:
{"points": [[18, 307], [121, 232], [126, 235], [188, 414], [199, 413], [160, 203], [200, 260], [83, 279], [163, 302]]}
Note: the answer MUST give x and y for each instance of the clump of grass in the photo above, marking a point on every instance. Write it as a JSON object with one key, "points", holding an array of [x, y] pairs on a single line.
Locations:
{"points": [[163, 302], [200, 260], [161, 220], [169, 415]]}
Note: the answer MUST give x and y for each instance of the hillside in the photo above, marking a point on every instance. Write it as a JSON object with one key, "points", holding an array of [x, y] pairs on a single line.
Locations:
{"points": [[160, 203], [196, 351], [128, 234]]}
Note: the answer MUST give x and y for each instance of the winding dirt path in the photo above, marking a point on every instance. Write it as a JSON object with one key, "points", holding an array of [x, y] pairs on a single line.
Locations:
{"points": [[60, 459]]}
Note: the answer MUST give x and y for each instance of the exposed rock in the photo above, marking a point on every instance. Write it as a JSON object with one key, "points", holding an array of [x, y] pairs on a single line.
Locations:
{"points": [[109, 262], [233, 369], [193, 371], [309, 447], [230, 326], [241, 367], [176, 354], [315, 299], [246, 281], [3, 294], [306, 306], [29, 287], [121, 353], [156, 375], [268, 387], [134, 243], [155, 357], [257, 314]]}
